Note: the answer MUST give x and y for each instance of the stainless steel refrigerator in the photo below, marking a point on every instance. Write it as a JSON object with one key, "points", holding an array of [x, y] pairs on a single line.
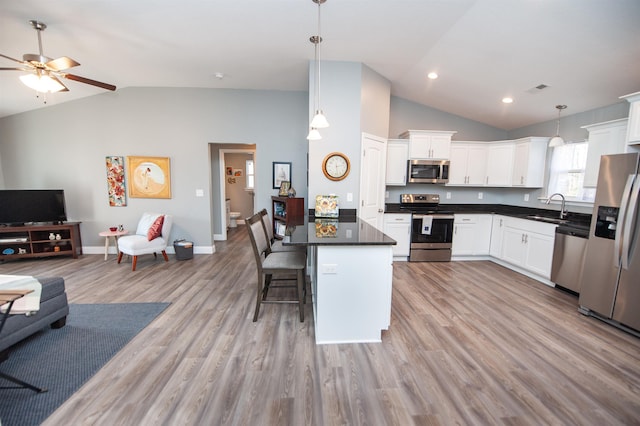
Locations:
{"points": [[611, 275]]}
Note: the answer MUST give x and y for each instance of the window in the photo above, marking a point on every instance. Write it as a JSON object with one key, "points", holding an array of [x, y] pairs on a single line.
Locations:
{"points": [[566, 174], [250, 175]]}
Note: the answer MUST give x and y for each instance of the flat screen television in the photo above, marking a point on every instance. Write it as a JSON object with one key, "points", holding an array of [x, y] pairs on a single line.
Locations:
{"points": [[22, 206]]}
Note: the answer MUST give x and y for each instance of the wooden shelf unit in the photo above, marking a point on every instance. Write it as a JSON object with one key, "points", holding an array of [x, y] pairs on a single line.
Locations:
{"points": [[286, 211], [34, 241]]}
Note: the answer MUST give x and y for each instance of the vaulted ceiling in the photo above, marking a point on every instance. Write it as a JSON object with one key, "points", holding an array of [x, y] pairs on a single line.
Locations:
{"points": [[587, 52]]}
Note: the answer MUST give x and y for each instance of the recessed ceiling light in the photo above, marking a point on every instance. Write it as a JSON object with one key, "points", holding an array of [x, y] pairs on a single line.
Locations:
{"points": [[432, 75], [507, 100]]}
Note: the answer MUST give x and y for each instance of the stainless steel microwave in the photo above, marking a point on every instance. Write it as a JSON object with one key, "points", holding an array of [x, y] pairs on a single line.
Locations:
{"points": [[428, 171]]}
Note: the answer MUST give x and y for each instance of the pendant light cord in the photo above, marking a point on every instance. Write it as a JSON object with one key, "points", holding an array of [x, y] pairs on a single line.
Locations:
{"points": [[318, 41]]}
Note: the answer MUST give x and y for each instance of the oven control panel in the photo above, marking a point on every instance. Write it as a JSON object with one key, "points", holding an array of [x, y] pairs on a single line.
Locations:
{"points": [[420, 198]]}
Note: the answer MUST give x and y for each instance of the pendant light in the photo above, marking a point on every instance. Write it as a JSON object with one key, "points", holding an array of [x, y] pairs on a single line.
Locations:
{"points": [[557, 139], [319, 121], [314, 134]]}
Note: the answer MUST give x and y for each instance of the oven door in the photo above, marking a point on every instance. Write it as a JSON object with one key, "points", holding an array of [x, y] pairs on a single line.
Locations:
{"points": [[439, 235]]}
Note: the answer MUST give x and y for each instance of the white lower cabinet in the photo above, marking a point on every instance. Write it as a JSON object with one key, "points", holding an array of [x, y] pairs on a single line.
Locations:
{"points": [[497, 235], [471, 235], [528, 244], [398, 227]]}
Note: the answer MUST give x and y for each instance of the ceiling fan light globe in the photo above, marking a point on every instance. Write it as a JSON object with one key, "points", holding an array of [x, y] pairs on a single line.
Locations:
{"points": [[556, 141], [319, 120], [41, 83]]}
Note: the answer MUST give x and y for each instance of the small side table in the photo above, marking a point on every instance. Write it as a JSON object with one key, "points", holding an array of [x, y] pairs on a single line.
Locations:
{"points": [[109, 234], [10, 296]]}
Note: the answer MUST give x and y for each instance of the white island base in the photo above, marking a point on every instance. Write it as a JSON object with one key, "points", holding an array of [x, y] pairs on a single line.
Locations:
{"points": [[351, 288]]}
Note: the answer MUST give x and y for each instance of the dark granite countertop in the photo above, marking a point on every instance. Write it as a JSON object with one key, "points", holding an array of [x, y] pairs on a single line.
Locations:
{"points": [[578, 220], [343, 231]]}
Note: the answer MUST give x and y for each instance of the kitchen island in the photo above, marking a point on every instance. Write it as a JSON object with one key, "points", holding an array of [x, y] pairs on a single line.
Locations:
{"points": [[350, 265]]}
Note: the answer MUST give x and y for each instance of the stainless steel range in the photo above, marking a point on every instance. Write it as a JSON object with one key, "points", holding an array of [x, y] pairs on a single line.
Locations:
{"points": [[431, 228]]}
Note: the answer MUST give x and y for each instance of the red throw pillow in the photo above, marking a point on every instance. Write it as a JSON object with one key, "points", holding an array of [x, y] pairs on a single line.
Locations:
{"points": [[155, 230]]}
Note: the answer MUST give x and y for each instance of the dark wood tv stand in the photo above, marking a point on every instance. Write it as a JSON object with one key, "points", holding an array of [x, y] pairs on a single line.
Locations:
{"points": [[19, 242]]}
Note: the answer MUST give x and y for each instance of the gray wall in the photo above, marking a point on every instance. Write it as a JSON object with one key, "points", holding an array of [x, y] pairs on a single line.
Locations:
{"points": [[409, 115], [64, 146], [570, 123]]}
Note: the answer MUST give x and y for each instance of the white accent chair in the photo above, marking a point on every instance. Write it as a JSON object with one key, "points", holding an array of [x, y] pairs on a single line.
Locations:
{"points": [[138, 244]]}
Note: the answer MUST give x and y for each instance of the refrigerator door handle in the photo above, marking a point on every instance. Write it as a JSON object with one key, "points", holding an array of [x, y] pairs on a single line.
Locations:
{"points": [[620, 226], [630, 224]]}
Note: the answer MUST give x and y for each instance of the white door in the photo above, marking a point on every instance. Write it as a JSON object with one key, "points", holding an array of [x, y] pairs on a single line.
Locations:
{"points": [[372, 174]]}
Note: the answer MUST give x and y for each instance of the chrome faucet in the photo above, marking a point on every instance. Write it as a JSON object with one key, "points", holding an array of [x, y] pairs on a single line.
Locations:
{"points": [[563, 211]]}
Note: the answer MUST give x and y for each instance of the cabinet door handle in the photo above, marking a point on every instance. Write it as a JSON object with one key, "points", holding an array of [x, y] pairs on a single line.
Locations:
{"points": [[522, 238], [455, 230]]}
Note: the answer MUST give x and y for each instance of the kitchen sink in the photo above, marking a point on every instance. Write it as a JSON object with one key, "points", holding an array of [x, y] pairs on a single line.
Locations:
{"points": [[555, 220]]}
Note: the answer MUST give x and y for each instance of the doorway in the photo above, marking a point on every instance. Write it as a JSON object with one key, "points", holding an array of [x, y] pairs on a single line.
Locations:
{"points": [[237, 185]]}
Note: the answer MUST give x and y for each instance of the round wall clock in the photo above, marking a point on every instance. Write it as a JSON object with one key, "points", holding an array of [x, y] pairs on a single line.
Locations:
{"points": [[336, 166]]}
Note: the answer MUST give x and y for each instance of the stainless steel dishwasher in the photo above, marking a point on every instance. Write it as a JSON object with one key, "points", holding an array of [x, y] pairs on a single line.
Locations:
{"points": [[568, 256]]}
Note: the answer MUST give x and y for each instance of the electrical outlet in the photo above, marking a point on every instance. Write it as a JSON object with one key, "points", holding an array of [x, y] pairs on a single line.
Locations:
{"points": [[199, 192], [349, 196], [480, 195], [448, 196], [386, 194], [526, 197]]}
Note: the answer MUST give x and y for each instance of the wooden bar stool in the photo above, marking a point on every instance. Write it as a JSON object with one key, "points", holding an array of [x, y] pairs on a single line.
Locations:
{"points": [[273, 265]]}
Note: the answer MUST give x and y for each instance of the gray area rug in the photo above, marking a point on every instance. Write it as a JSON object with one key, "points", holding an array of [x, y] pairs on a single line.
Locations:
{"points": [[63, 360]]}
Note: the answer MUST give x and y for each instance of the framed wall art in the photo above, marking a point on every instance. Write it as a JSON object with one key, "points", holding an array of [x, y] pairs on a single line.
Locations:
{"points": [[281, 173], [115, 181], [149, 177]]}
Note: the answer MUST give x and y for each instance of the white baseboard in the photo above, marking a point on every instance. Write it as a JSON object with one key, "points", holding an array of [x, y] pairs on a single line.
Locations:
{"points": [[170, 250]]}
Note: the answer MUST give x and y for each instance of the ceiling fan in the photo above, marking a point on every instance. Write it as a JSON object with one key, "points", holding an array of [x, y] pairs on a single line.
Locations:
{"points": [[44, 73]]}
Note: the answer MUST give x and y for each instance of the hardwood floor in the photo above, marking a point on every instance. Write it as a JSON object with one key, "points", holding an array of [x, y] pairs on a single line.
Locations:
{"points": [[469, 343]]}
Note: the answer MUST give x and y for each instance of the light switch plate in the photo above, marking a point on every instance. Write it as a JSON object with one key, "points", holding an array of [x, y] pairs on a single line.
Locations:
{"points": [[329, 268], [480, 195]]}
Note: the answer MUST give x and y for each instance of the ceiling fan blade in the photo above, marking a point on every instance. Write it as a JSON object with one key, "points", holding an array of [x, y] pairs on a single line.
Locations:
{"points": [[61, 63], [15, 69], [53, 77], [88, 81], [12, 59]]}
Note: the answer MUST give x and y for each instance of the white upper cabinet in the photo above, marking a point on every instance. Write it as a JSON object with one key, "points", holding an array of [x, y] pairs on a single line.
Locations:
{"points": [[633, 129], [530, 155], [428, 144], [604, 139], [468, 163], [397, 162], [500, 164]]}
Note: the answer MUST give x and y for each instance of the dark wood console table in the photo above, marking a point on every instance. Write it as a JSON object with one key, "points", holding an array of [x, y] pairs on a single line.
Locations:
{"points": [[40, 241]]}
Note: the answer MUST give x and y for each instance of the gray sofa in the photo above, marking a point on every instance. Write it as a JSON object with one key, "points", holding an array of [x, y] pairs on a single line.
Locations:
{"points": [[53, 311]]}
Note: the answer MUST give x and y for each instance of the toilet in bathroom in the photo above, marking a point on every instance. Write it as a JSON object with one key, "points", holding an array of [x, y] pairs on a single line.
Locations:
{"points": [[233, 219]]}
